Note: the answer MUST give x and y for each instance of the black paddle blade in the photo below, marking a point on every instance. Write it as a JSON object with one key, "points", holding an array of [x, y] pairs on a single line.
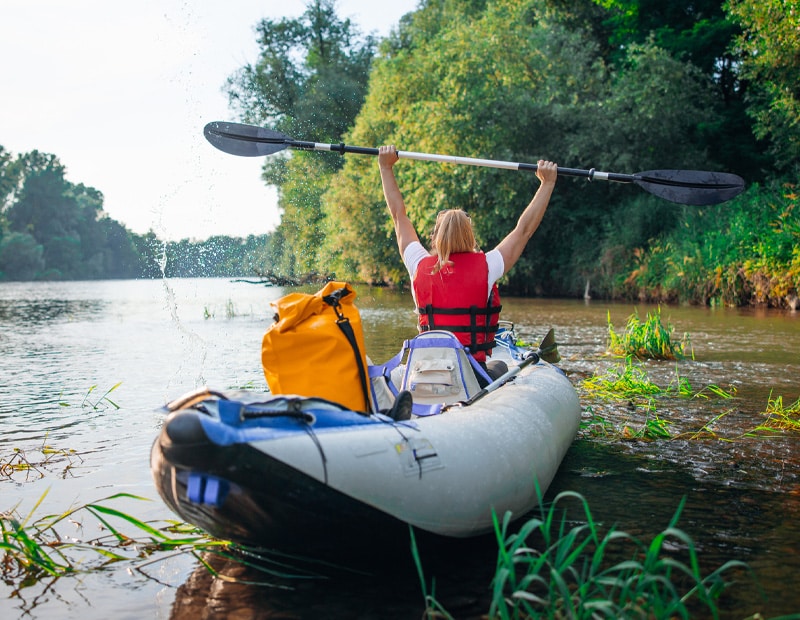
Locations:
{"points": [[548, 350], [245, 140], [691, 187]]}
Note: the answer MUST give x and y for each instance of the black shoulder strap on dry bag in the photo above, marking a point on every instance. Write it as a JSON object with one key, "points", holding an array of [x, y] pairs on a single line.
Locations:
{"points": [[344, 324]]}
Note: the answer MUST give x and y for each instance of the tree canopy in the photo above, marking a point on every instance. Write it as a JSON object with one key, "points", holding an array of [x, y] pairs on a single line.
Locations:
{"points": [[52, 229], [617, 85]]}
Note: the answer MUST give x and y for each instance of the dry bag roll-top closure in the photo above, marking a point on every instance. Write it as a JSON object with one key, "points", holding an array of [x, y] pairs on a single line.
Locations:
{"points": [[315, 348]]}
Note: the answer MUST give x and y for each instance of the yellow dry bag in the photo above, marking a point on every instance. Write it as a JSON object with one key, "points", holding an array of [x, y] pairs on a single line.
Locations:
{"points": [[316, 348]]}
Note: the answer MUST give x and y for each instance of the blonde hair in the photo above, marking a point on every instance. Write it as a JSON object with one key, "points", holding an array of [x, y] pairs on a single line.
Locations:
{"points": [[452, 234]]}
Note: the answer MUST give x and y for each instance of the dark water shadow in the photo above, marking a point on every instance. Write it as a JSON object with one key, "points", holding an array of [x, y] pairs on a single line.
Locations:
{"points": [[382, 583]]}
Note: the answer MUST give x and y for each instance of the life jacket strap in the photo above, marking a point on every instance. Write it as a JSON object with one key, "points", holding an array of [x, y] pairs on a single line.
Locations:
{"points": [[473, 329]]}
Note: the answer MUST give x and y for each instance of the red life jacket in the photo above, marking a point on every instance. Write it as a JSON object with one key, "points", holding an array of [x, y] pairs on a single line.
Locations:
{"points": [[455, 299]]}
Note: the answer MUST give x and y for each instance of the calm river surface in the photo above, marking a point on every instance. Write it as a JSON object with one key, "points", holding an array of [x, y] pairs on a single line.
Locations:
{"points": [[64, 345]]}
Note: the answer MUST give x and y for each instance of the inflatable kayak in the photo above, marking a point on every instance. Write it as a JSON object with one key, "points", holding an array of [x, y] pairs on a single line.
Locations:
{"points": [[294, 472]]}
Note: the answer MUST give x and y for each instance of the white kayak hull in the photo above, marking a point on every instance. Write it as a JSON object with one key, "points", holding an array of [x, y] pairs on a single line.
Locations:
{"points": [[265, 479]]}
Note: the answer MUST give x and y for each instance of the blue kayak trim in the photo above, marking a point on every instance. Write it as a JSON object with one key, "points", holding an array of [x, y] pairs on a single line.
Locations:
{"points": [[240, 422]]}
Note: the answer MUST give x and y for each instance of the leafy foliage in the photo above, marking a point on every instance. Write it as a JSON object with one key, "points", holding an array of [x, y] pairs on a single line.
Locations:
{"points": [[743, 252], [770, 51], [310, 79], [621, 85], [508, 83], [54, 229]]}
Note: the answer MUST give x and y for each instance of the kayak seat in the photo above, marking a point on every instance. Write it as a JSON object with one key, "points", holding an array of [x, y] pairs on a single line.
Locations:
{"points": [[435, 368]]}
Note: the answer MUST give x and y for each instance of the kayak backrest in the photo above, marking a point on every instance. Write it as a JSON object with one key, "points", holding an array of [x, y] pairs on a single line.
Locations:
{"points": [[438, 369]]}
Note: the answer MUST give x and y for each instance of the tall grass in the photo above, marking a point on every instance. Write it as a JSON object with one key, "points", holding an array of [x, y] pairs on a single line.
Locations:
{"points": [[47, 547], [648, 339], [549, 570], [32, 548]]}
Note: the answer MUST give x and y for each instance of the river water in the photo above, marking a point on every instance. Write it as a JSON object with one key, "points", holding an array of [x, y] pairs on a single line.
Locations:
{"points": [[85, 367]]}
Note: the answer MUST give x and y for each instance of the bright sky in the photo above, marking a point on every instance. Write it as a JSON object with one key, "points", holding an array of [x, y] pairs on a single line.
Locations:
{"points": [[120, 93]]}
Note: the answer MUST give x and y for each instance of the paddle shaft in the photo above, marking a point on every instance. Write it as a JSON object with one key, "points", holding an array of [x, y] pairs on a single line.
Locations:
{"points": [[591, 174], [532, 358]]}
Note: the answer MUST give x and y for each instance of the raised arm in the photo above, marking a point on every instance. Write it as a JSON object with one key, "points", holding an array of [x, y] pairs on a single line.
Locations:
{"points": [[514, 243], [403, 228]]}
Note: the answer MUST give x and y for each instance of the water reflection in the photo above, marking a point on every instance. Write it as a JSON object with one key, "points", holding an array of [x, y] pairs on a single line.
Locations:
{"points": [[640, 496], [386, 587], [31, 313]]}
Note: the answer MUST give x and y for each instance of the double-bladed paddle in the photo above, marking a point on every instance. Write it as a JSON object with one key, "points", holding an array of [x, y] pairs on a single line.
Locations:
{"points": [[689, 187]]}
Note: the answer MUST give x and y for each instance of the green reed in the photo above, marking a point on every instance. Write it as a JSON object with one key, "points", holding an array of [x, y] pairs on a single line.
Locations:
{"points": [[547, 569], [32, 549], [433, 609], [779, 417], [92, 401], [648, 339], [34, 463], [231, 311], [631, 385], [100, 402]]}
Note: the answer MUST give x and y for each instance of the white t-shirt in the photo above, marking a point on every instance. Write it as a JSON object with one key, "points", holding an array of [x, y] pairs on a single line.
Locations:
{"points": [[415, 252]]}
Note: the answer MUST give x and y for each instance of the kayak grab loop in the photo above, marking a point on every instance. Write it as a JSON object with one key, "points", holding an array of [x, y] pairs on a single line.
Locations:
{"points": [[207, 490]]}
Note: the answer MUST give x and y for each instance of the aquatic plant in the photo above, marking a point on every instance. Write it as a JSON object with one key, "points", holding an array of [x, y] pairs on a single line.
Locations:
{"points": [[433, 609], [648, 339], [779, 417], [594, 424], [37, 461], [102, 402], [231, 312], [630, 384], [547, 570], [35, 548]]}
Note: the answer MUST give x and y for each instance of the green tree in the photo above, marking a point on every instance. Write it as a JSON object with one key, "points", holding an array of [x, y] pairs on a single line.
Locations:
{"points": [[309, 81], [510, 83], [696, 31], [9, 179], [770, 51], [311, 74], [21, 258], [45, 208]]}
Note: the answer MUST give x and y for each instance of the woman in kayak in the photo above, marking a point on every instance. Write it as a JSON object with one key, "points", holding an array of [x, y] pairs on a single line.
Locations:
{"points": [[454, 285]]}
